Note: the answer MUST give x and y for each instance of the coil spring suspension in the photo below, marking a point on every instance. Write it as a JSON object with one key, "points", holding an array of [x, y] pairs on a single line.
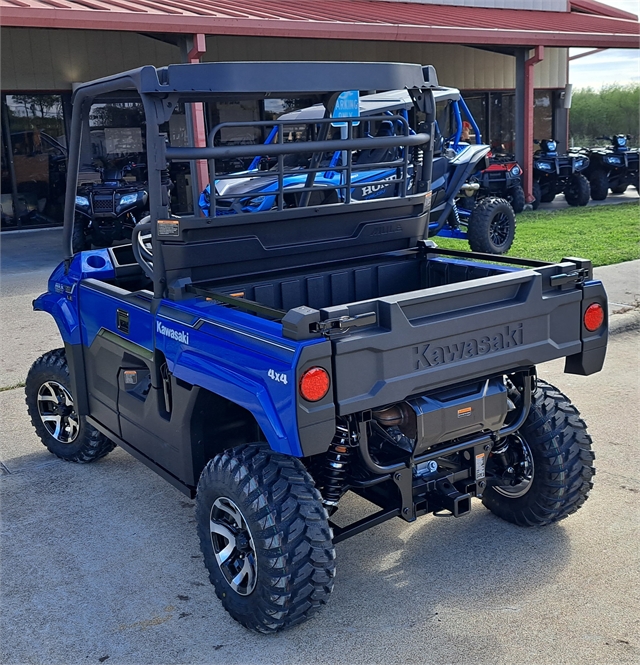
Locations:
{"points": [[336, 465], [456, 215]]}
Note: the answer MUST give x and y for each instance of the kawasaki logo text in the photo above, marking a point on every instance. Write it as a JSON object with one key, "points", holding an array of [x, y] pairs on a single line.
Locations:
{"points": [[431, 355], [178, 335]]}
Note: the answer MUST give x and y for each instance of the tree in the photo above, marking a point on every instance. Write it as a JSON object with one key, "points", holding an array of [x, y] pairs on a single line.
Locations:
{"points": [[614, 109]]}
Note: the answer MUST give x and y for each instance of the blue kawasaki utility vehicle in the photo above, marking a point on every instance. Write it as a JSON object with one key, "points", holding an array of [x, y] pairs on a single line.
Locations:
{"points": [[267, 364]]}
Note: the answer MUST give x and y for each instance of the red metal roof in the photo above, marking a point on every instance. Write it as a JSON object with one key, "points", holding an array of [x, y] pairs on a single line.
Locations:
{"points": [[334, 19]]}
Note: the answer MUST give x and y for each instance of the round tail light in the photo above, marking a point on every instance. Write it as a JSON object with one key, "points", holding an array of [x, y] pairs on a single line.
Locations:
{"points": [[314, 384], [593, 317]]}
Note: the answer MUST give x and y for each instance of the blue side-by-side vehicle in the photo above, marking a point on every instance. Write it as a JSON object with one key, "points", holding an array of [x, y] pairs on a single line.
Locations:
{"points": [[267, 364]]}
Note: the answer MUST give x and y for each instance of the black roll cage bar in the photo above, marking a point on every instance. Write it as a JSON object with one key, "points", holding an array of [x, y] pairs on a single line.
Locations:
{"points": [[159, 91]]}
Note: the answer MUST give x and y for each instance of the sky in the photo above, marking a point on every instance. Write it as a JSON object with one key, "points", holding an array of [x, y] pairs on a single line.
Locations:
{"points": [[610, 66]]}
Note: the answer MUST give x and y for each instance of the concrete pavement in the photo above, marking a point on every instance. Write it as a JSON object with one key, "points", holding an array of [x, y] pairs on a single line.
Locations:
{"points": [[100, 563], [629, 196]]}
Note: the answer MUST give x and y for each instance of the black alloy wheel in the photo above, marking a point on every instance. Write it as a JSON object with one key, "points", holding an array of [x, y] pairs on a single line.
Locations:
{"points": [[543, 473], [53, 415], [577, 192], [265, 537], [492, 226]]}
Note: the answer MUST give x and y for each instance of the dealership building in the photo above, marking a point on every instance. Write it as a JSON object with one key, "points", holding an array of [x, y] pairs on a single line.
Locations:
{"points": [[509, 57]]}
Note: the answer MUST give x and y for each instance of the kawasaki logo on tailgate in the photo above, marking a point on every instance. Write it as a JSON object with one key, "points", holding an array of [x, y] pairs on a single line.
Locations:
{"points": [[431, 355]]}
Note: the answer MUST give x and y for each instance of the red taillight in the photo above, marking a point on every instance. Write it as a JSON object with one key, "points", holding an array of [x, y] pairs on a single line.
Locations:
{"points": [[314, 384], [593, 317]]}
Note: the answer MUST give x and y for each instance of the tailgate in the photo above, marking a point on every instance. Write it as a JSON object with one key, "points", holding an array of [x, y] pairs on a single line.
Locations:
{"points": [[447, 334]]}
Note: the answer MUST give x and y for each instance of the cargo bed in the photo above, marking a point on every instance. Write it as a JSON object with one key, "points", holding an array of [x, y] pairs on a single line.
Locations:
{"points": [[410, 322]]}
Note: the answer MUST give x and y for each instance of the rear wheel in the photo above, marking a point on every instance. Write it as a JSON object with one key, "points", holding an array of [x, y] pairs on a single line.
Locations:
{"points": [[577, 192], [619, 189], [50, 404], [543, 473], [492, 226], [265, 537], [547, 197], [517, 199], [599, 185]]}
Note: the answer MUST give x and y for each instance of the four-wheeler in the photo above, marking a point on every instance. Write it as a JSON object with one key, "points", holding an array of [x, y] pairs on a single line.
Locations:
{"points": [[464, 207], [554, 174], [108, 210], [502, 179], [614, 167], [267, 364]]}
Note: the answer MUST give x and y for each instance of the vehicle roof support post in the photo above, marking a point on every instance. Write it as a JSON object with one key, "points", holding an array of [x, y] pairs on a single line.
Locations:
{"points": [[527, 164], [192, 51], [80, 110], [158, 195]]}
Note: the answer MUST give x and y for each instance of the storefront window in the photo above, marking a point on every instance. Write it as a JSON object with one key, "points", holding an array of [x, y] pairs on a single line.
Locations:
{"points": [[543, 115], [35, 155], [502, 134]]}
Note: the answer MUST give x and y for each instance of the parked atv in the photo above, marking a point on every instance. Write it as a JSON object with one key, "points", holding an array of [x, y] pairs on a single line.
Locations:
{"points": [[108, 210], [614, 167], [458, 208], [555, 174], [502, 179]]}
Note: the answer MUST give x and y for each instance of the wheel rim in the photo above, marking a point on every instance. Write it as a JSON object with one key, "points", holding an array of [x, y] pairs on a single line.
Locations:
{"points": [[500, 229], [517, 475], [233, 546], [55, 406]]}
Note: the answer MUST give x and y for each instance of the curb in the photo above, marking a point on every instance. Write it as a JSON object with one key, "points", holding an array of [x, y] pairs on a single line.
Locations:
{"points": [[625, 322]]}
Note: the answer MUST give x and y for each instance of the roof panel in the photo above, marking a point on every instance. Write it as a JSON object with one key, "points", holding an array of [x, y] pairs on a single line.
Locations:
{"points": [[340, 19]]}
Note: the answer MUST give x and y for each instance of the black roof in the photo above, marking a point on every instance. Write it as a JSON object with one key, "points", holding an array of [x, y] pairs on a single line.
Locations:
{"points": [[259, 79]]}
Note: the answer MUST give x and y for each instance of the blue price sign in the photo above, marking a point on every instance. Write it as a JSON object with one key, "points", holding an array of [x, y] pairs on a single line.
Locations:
{"points": [[347, 106]]}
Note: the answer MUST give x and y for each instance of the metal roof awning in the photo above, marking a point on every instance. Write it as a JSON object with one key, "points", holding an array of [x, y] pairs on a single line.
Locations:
{"points": [[588, 24]]}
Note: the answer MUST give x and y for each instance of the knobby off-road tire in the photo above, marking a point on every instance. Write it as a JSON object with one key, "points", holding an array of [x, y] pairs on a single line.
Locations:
{"points": [[599, 185], [79, 240], [577, 192], [619, 189], [537, 195], [492, 226], [265, 537], [562, 464], [517, 199], [547, 197], [50, 405]]}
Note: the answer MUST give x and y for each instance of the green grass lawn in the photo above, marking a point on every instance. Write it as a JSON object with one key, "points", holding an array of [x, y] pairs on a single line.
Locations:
{"points": [[603, 234]]}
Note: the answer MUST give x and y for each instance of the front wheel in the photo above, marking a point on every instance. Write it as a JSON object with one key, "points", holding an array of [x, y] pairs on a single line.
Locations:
{"points": [[599, 185], [50, 404], [492, 226], [577, 192], [543, 473], [517, 199], [79, 239], [265, 537]]}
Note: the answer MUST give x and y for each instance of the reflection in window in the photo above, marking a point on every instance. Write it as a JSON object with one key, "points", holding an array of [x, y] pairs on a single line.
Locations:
{"points": [[37, 149]]}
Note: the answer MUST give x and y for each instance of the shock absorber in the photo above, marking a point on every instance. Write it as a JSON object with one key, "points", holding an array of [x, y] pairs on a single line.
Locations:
{"points": [[336, 466]]}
